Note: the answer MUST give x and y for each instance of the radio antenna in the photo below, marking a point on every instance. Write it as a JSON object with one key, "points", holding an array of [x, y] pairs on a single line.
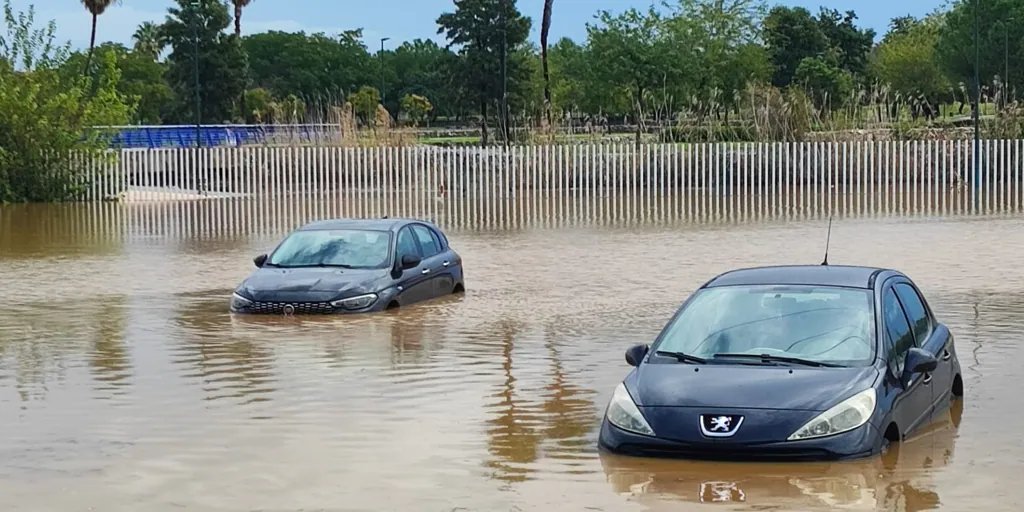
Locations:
{"points": [[828, 240]]}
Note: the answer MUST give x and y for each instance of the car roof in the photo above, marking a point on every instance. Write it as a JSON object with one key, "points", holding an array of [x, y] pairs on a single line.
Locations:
{"points": [[383, 224], [812, 275]]}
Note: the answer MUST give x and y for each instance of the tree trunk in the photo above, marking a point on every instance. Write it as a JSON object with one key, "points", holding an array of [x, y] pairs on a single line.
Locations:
{"points": [[92, 46], [545, 30], [483, 122], [238, 38]]}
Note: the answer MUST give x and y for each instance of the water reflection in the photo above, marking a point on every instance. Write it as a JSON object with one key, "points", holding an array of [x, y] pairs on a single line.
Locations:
{"points": [[39, 348], [230, 364], [900, 479], [543, 414], [109, 356]]}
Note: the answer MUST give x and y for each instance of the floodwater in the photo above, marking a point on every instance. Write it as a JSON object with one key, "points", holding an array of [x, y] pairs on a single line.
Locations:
{"points": [[126, 385]]}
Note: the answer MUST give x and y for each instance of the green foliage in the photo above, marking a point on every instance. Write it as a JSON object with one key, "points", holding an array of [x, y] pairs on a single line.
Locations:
{"points": [[416, 107], [45, 112], [310, 65], [423, 68], [364, 102], [142, 81], [222, 62], [826, 83], [487, 35], [1000, 42], [907, 62], [792, 35]]}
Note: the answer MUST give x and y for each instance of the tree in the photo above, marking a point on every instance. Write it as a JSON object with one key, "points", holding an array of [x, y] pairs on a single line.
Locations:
{"points": [[148, 39], [422, 68], [365, 102], [849, 44], [487, 34], [826, 83], [141, 81], [545, 29], [95, 8], [221, 63], [1000, 42], [907, 62], [792, 35], [239, 5], [46, 112], [728, 56], [417, 107], [311, 66], [637, 59]]}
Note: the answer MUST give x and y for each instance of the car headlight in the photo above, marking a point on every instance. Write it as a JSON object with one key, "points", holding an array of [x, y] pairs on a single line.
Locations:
{"points": [[623, 413], [360, 302], [239, 302], [848, 415]]}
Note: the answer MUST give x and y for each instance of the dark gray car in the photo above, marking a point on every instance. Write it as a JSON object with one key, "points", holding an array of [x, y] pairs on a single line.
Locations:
{"points": [[352, 266]]}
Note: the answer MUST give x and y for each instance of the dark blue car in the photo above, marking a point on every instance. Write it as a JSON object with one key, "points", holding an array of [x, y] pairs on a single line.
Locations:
{"points": [[793, 363], [352, 266]]}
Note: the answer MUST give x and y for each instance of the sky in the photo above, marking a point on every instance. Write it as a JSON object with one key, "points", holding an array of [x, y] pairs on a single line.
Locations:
{"points": [[400, 20]]}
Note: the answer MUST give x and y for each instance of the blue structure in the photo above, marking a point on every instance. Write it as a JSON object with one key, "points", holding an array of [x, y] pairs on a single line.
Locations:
{"points": [[184, 136]]}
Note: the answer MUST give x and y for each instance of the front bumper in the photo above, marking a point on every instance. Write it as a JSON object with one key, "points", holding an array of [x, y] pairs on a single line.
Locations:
{"points": [[858, 443], [299, 307]]}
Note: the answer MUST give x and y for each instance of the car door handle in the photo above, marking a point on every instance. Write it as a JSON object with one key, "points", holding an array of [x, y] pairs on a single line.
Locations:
{"points": [[927, 378], [447, 263], [946, 355], [425, 271]]}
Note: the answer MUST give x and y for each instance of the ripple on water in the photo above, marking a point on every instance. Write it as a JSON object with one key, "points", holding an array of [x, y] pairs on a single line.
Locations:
{"points": [[141, 389]]}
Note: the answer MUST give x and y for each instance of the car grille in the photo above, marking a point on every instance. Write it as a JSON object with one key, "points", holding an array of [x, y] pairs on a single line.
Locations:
{"points": [[301, 308], [726, 453]]}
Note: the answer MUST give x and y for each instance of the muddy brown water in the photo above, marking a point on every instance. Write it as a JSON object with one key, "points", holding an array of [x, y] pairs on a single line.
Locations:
{"points": [[125, 384]]}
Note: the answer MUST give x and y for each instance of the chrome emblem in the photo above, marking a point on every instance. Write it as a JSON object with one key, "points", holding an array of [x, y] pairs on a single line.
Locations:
{"points": [[720, 426], [289, 310]]}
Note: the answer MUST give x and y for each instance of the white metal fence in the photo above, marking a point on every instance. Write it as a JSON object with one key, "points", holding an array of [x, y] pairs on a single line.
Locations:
{"points": [[590, 183]]}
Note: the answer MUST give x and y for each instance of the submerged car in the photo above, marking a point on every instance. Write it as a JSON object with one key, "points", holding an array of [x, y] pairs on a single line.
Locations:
{"points": [[787, 363], [352, 266]]}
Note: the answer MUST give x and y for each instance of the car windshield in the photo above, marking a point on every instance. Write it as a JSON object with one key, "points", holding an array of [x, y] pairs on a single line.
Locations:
{"points": [[830, 325], [346, 248]]}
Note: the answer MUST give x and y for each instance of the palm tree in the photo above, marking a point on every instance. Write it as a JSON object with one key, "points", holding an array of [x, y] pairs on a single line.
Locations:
{"points": [[148, 39], [239, 5], [95, 8], [545, 29]]}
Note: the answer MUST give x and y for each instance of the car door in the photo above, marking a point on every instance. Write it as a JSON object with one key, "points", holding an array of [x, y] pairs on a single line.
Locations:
{"points": [[433, 260], [414, 284], [937, 342], [913, 405]]}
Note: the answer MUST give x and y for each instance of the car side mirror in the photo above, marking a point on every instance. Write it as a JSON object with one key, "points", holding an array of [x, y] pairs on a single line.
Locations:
{"points": [[260, 260], [636, 354], [921, 361], [410, 261]]}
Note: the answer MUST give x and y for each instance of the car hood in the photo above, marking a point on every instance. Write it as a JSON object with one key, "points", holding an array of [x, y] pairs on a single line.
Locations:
{"points": [[310, 284], [745, 386]]}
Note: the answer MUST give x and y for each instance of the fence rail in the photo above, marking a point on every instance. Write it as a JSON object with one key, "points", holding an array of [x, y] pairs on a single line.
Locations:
{"points": [[506, 187]]}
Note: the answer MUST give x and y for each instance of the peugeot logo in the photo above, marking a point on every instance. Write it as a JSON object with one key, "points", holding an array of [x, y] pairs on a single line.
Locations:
{"points": [[723, 425], [289, 310]]}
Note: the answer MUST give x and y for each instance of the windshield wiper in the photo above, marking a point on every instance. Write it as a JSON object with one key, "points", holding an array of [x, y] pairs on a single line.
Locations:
{"points": [[683, 358], [781, 359], [317, 265]]}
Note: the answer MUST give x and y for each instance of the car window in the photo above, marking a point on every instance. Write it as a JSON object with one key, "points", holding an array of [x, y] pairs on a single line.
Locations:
{"points": [[916, 311], [407, 243], [429, 243], [821, 323], [339, 247], [898, 329]]}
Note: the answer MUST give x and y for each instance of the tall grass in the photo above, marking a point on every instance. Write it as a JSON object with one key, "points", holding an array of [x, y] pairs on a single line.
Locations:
{"points": [[760, 113]]}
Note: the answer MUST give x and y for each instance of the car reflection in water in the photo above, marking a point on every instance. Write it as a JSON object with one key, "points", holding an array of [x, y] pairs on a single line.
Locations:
{"points": [[892, 481]]}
